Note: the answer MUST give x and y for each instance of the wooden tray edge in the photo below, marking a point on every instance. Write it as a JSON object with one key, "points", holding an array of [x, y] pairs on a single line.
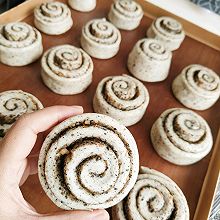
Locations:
{"points": [[191, 29], [20, 12], [209, 187]]}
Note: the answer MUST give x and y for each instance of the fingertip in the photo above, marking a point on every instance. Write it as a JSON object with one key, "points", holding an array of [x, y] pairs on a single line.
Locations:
{"points": [[23, 134], [100, 214], [79, 215], [77, 109]]}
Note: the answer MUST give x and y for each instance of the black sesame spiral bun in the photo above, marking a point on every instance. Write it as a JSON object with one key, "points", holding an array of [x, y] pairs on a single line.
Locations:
{"points": [[197, 87], [53, 18], [89, 161], [149, 60], [82, 5], [20, 44], [13, 104], [121, 97], [154, 196], [66, 70], [125, 14], [167, 30], [100, 39], [181, 136]]}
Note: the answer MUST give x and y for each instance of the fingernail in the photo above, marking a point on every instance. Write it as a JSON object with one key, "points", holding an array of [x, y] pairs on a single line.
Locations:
{"points": [[101, 215], [78, 109]]}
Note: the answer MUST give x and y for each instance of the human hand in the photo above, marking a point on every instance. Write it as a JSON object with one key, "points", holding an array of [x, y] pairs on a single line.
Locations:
{"points": [[16, 164]]}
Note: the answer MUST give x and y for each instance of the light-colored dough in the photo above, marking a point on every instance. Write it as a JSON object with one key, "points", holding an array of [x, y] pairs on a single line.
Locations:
{"points": [[89, 161], [149, 60], [154, 196], [13, 104], [167, 30], [82, 5], [121, 97], [181, 136], [20, 44], [53, 18], [66, 70], [100, 39], [197, 87], [125, 14]]}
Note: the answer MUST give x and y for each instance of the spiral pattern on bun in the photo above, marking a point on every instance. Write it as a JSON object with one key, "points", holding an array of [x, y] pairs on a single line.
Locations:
{"points": [[167, 30], [66, 69], [125, 14], [83, 6], [20, 44], [100, 39], [149, 60], [13, 104], [53, 18], [181, 136], [121, 97], [89, 161], [197, 87], [154, 196]]}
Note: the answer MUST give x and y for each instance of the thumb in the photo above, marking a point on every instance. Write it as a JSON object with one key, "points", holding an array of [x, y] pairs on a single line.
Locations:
{"points": [[77, 215], [29, 169]]}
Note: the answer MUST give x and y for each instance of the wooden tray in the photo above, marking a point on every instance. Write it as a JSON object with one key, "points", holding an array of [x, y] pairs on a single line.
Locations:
{"points": [[189, 178]]}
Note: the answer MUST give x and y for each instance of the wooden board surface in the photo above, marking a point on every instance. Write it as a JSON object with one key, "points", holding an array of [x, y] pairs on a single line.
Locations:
{"points": [[189, 178]]}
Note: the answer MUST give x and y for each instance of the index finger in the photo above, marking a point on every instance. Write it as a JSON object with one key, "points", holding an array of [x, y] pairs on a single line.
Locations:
{"points": [[21, 138]]}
